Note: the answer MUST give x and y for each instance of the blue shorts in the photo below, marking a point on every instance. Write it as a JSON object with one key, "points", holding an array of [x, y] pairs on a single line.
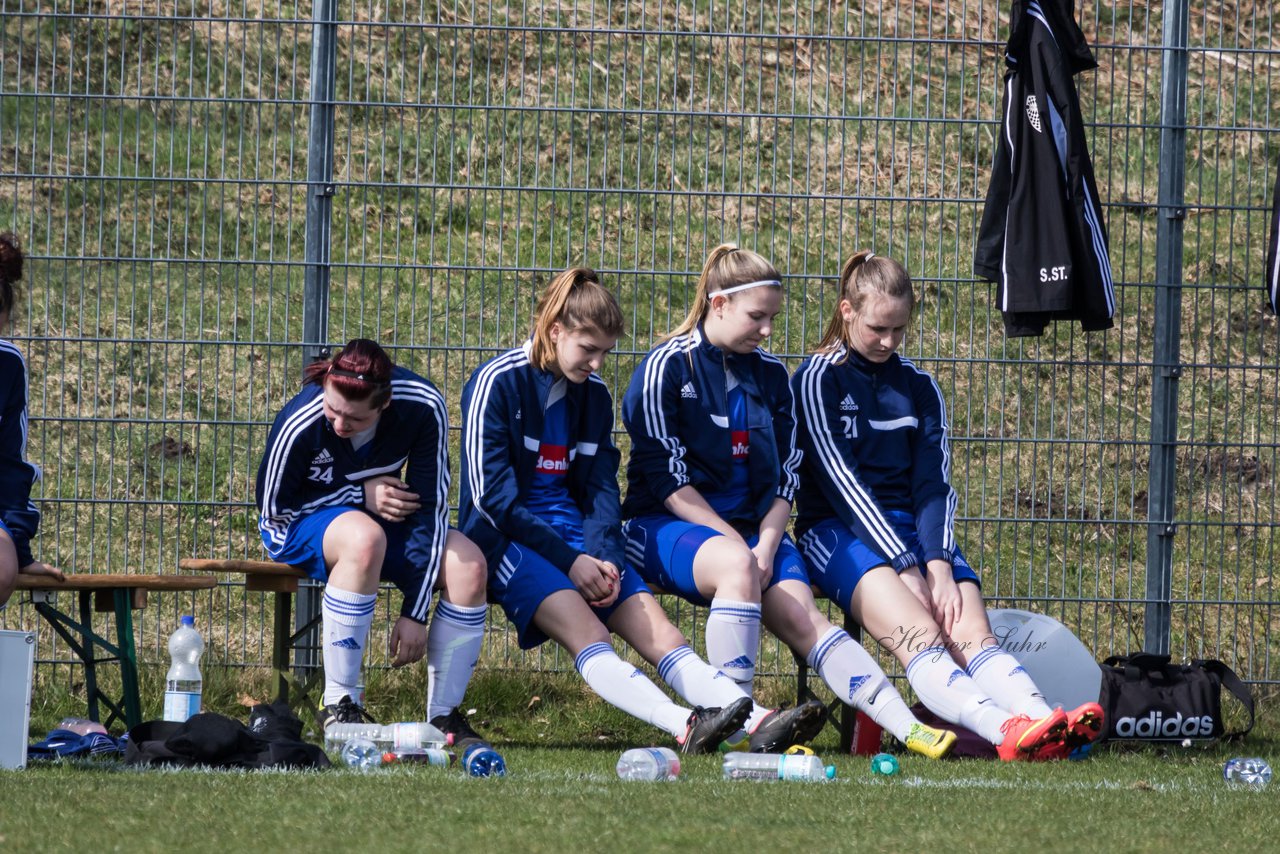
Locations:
{"points": [[663, 547], [838, 559], [524, 579], [304, 545], [5, 528]]}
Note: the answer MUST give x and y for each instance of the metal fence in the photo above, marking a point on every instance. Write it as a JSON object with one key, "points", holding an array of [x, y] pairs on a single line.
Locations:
{"points": [[209, 191]]}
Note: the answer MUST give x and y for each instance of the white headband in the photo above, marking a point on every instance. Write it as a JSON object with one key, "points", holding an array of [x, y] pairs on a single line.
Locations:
{"points": [[733, 290]]}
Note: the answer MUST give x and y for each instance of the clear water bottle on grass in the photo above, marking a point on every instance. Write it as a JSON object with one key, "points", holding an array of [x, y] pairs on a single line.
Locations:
{"points": [[1247, 771], [773, 766], [437, 756], [649, 763], [481, 760], [362, 754], [183, 684], [408, 735]]}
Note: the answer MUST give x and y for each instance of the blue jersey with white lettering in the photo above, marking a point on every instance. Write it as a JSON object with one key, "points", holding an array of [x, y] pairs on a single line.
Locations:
{"points": [[504, 424], [678, 413], [548, 491], [735, 502], [875, 438], [307, 466]]}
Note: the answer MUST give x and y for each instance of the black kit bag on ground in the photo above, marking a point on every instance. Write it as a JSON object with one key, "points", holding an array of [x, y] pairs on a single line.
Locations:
{"points": [[1146, 698]]}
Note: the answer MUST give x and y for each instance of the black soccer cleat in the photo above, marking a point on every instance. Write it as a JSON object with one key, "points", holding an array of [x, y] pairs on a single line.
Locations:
{"points": [[345, 711], [709, 727], [783, 728], [457, 731]]}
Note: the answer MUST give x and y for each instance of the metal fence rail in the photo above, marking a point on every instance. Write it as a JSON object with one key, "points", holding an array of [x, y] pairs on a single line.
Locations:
{"points": [[195, 228]]}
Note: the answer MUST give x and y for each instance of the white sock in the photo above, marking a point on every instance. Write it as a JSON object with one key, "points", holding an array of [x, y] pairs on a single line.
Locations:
{"points": [[346, 620], [700, 684], [1004, 680], [621, 685], [733, 639], [945, 688], [851, 672], [453, 648]]}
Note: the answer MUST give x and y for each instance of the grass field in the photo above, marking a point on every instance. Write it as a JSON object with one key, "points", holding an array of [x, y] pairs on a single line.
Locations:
{"points": [[562, 795]]}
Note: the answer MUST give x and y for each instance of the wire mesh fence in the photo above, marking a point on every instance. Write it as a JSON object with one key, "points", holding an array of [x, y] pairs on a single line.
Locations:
{"points": [[153, 158]]}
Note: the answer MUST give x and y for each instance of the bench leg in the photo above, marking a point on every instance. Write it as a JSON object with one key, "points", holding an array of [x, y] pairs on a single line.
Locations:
{"points": [[85, 643], [128, 658], [281, 643], [87, 656]]}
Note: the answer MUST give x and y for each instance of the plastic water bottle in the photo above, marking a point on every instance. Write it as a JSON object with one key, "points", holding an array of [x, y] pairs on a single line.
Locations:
{"points": [[1247, 771], [362, 753], [419, 756], [407, 735], [772, 766], [884, 764], [481, 760], [649, 763], [81, 726], [183, 685]]}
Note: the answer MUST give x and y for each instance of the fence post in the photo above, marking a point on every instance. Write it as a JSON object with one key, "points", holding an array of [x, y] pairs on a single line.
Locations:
{"points": [[315, 303], [1166, 361]]}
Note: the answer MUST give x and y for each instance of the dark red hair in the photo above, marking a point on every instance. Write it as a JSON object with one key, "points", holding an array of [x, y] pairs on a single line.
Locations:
{"points": [[360, 371], [10, 270]]}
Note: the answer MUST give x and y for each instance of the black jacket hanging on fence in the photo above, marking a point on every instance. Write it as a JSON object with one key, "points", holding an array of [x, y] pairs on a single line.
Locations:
{"points": [[1273, 250], [1042, 238]]}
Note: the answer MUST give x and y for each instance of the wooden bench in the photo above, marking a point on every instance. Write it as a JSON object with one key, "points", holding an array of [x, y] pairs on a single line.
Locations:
{"points": [[268, 577], [118, 593], [282, 580]]}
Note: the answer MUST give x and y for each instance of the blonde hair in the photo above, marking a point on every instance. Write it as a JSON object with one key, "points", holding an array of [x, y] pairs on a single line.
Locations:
{"points": [[726, 266], [577, 300], [862, 275]]}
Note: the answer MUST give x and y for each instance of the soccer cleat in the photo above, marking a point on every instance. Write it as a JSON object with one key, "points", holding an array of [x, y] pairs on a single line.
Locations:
{"points": [[345, 711], [708, 727], [457, 731], [783, 728], [930, 741], [1025, 738], [1084, 726]]}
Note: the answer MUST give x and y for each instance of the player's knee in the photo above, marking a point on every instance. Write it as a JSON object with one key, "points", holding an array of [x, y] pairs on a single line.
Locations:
{"points": [[361, 544], [465, 576], [736, 574]]}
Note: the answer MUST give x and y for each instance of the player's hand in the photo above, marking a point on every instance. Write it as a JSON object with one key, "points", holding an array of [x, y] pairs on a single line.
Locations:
{"points": [[914, 581], [408, 642], [944, 594], [37, 567], [764, 563], [390, 498], [596, 580]]}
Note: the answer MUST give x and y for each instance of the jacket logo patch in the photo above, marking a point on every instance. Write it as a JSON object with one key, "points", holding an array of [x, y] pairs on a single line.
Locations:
{"points": [[323, 458], [1033, 113], [689, 391], [553, 460], [848, 404]]}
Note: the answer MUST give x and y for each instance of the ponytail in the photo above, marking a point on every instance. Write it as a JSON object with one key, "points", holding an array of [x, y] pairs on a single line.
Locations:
{"points": [[862, 274], [726, 268], [360, 371], [576, 300], [10, 271]]}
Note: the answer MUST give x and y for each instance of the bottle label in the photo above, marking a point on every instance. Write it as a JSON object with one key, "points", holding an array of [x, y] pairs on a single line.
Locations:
{"points": [[180, 705]]}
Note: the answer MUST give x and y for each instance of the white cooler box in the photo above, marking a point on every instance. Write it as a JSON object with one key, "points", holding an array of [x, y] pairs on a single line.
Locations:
{"points": [[17, 666]]}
